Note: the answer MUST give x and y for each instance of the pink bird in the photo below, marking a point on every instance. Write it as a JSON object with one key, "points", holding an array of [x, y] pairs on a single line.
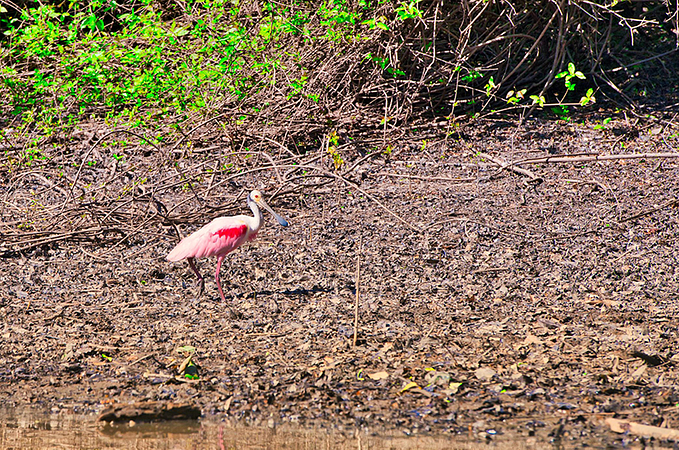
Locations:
{"points": [[221, 236]]}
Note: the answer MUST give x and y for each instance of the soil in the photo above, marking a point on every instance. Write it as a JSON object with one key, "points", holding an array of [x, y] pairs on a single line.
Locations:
{"points": [[501, 305]]}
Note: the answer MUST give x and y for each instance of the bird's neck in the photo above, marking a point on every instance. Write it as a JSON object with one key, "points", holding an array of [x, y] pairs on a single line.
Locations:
{"points": [[258, 216]]}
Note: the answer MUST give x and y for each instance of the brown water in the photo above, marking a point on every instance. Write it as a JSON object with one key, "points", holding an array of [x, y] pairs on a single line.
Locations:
{"points": [[28, 429]]}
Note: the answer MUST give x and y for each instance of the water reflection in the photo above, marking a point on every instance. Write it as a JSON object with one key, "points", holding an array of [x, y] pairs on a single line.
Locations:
{"points": [[28, 429]]}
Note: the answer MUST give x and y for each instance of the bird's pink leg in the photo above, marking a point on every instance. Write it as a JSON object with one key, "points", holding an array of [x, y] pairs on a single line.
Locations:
{"points": [[219, 285], [201, 281]]}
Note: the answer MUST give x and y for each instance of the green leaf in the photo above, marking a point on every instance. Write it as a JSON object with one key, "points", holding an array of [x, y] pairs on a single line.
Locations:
{"points": [[187, 349], [489, 86], [571, 68], [539, 99]]}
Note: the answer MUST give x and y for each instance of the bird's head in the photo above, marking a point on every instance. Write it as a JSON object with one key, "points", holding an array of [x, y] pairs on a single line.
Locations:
{"points": [[256, 198]]}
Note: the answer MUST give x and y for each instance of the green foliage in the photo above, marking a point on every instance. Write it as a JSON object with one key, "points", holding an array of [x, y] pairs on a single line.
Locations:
{"points": [[514, 97], [384, 64], [560, 108], [143, 69], [602, 125], [562, 112], [568, 76], [408, 10], [473, 75], [135, 65], [538, 100], [379, 22], [333, 140], [588, 98], [490, 86]]}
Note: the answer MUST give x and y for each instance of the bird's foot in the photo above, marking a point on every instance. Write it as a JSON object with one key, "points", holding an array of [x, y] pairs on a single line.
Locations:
{"points": [[201, 287], [234, 314]]}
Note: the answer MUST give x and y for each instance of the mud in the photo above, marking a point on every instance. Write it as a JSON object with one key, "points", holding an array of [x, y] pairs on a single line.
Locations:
{"points": [[501, 307]]}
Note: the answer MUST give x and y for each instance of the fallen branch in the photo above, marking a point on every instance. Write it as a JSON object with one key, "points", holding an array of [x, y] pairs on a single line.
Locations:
{"points": [[418, 177], [637, 429], [597, 157], [511, 166], [30, 243], [672, 202]]}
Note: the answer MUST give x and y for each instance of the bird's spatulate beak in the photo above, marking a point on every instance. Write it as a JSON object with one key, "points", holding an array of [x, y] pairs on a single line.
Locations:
{"points": [[280, 220]]}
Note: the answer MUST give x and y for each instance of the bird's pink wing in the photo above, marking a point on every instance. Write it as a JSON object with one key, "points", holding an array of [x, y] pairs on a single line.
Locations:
{"points": [[219, 237]]}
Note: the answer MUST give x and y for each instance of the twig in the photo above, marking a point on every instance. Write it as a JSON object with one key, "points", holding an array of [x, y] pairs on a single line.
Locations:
{"points": [[369, 155], [489, 270], [140, 359], [511, 166], [82, 163], [381, 205], [356, 186], [417, 177], [650, 211], [570, 159], [358, 278], [186, 135], [623, 426], [600, 185], [30, 243], [566, 236], [481, 224], [283, 147]]}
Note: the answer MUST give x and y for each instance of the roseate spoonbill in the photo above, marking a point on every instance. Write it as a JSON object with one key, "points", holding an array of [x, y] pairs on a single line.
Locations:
{"points": [[221, 236]]}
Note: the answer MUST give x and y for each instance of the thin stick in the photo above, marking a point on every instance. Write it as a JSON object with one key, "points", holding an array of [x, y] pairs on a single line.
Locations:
{"points": [[358, 278], [571, 159], [508, 165], [418, 177], [633, 428], [650, 211], [87, 155], [190, 132]]}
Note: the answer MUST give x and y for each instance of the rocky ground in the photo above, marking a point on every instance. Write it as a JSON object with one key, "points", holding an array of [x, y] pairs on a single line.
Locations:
{"points": [[490, 301]]}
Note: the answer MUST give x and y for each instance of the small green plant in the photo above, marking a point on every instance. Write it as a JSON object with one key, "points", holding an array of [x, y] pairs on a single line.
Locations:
{"points": [[408, 10], [514, 97], [602, 125], [588, 97], [379, 22], [471, 76], [31, 155], [490, 86], [297, 86], [339, 20], [562, 111], [569, 74], [333, 140], [538, 99]]}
